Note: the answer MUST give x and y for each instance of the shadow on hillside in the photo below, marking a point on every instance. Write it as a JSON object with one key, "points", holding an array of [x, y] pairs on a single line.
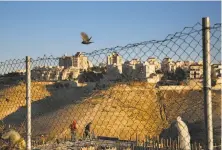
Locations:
{"points": [[10, 80], [60, 97]]}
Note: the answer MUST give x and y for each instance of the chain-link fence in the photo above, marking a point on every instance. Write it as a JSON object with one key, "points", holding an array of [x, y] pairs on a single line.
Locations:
{"points": [[132, 97]]}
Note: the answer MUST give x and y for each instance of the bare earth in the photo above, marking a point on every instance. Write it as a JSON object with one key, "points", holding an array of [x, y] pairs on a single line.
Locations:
{"points": [[123, 110]]}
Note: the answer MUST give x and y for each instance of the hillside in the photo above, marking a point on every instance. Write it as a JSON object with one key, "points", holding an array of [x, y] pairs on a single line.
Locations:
{"points": [[123, 110], [16, 96]]}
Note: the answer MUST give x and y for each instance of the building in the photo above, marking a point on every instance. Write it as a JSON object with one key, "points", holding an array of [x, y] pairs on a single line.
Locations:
{"points": [[46, 73], [69, 67], [168, 66], [23, 72], [186, 65], [217, 69], [79, 61], [149, 68], [66, 61], [179, 64], [114, 58], [200, 62], [114, 65], [137, 70], [132, 69], [134, 62], [154, 61], [128, 69], [70, 73], [196, 71], [49, 73]]}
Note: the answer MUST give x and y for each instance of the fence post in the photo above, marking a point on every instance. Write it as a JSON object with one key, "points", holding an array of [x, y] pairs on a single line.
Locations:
{"points": [[207, 83], [28, 102]]}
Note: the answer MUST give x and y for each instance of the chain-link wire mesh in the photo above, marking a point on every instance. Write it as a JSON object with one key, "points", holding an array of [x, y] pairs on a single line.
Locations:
{"points": [[136, 96], [12, 96]]}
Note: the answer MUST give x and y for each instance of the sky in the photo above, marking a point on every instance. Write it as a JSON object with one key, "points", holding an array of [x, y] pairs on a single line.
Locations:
{"points": [[53, 28]]}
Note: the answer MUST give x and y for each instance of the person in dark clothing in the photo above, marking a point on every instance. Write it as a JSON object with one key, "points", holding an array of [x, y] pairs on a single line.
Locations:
{"points": [[87, 130]]}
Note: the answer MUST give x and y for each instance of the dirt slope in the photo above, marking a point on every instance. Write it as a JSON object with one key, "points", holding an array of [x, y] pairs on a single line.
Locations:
{"points": [[123, 110]]}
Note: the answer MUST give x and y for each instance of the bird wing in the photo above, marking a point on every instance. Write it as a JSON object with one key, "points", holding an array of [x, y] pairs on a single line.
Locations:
{"points": [[84, 36]]}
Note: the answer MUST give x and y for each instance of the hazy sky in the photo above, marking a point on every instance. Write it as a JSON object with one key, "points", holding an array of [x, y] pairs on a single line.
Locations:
{"points": [[53, 28]]}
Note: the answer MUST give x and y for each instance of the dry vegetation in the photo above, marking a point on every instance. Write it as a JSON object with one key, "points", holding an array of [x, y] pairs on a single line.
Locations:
{"points": [[123, 110]]}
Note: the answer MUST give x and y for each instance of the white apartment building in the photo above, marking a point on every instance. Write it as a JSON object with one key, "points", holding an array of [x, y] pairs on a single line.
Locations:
{"points": [[79, 61], [114, 60], [149, 69], [135, 69], [154, 61], [196, 71]]}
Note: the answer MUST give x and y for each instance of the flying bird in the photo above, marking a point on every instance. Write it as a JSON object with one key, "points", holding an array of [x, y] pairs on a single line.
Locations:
{"points": [[85, 38]]}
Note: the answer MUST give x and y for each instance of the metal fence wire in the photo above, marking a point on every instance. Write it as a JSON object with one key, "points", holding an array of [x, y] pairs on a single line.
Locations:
{"points": [[146, 95]]}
